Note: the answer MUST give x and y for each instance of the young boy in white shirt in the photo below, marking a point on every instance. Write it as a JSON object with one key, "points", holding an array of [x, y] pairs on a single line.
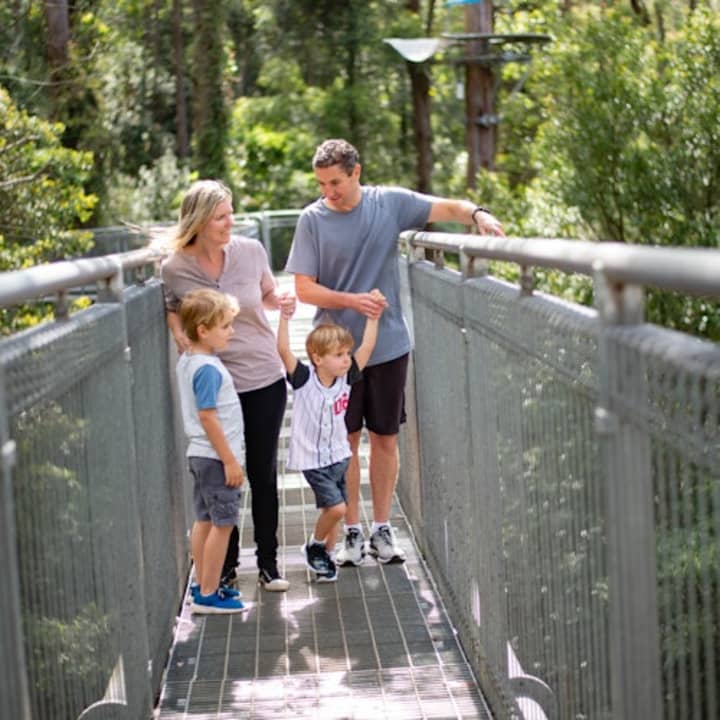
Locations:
{"points": [[319, 444], [213, 422]]}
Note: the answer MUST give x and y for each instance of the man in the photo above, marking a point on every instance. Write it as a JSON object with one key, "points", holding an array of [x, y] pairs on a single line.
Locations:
{"points": [[345, 244]]}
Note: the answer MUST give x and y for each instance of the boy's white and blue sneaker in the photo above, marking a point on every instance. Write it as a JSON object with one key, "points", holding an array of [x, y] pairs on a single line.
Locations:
{"points": [[316, 558], [330, 575], [218, 603]]}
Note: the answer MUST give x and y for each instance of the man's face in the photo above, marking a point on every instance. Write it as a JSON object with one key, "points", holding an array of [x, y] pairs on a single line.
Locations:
{"points": [[340, 190]]}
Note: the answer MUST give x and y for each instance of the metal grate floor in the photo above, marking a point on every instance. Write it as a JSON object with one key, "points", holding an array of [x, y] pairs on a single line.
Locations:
{"points": [[375, 644]]}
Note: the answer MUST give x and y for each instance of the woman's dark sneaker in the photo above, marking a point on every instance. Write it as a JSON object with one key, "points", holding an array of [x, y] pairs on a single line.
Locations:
{"points": [[271, 580]]}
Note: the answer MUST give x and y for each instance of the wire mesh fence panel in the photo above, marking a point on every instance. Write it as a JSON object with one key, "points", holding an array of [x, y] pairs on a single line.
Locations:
{"points": [[681, 419], [162, 484], [544, 434], [97, 511]]}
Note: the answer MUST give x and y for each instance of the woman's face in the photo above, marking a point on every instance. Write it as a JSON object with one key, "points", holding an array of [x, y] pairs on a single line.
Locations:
{"points": [[217, 230]]}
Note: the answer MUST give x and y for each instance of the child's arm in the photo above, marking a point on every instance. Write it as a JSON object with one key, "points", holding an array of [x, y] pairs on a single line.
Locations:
{"points": [[364, 351], [234, 476], [287, 309], [369, 338]]}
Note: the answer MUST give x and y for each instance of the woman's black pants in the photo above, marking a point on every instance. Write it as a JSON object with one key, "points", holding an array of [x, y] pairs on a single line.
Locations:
{"points": [[263, 411]]}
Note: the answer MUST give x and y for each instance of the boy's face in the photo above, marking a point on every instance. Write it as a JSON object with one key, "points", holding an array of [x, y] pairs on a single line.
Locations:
{"points": [[216, 337], [335, 363]]}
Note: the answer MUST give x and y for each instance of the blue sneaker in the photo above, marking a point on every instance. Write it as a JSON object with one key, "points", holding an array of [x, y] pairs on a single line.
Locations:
{"points": [[216, 604], [227, 591]]}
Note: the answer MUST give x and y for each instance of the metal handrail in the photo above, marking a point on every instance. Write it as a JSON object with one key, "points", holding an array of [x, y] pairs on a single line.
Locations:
{"points": [[19, 286], [695, 271]]}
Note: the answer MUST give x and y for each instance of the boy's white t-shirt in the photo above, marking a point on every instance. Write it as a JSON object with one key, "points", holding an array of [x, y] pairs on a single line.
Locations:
{"points": [[318, 436]]}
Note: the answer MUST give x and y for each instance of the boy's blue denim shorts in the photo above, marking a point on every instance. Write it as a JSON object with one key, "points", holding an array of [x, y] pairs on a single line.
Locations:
{"points": [[214, 501], [328, 484]]}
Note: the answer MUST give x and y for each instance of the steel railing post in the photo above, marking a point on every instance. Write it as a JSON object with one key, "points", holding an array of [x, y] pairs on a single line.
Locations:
{"points": [[634, 647]]}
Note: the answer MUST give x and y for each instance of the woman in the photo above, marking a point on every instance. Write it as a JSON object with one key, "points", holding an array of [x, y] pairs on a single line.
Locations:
{"points": [[206, 255]]}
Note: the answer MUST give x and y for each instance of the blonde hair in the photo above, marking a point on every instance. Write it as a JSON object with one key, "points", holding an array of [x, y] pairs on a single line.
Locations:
{"points": [[198, 205], [205, 307], [327, 337]]}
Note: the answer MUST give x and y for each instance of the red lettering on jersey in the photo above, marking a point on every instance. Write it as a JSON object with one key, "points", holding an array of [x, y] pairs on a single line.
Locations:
{"points": [[340, 405]]}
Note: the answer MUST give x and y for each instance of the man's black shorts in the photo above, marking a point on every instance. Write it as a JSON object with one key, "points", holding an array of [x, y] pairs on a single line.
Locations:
{"points": [[379, 398]]}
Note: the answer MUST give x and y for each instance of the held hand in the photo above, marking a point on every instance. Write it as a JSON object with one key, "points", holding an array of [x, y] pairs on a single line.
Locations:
{"points": [[379, 298], [287, 302], [234, 475], [488, 224], [369, 305]]}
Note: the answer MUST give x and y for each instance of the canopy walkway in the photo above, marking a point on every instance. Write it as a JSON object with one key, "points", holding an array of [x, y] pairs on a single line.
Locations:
{"points": [[559, 499], [376, 644]]}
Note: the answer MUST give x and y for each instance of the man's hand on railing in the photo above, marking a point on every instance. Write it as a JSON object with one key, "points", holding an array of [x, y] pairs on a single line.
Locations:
{"points": [[487, 224]]}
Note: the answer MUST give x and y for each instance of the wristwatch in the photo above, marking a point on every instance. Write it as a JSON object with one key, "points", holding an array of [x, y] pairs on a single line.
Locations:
{"points": [[478, 209]]}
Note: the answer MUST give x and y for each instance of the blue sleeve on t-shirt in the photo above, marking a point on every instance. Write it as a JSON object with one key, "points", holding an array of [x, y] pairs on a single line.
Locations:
{"points": [[206, 385]]}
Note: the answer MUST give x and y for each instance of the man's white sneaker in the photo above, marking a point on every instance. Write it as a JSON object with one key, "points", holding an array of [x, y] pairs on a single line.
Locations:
{"points": [[383, 546], [353, 550]]}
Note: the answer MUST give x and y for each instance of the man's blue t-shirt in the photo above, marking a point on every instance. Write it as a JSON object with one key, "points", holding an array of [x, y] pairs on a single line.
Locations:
{"points": [[356, 251]]}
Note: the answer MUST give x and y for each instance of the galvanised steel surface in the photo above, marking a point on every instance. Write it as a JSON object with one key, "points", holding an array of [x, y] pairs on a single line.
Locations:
{"points": [[570, 476]]}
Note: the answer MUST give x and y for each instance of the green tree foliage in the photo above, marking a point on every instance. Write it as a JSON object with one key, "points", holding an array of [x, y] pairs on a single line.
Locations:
{"points": [[329, 75], [627, 141], [609, 133], [41, 191], [42, 200], [624, 143]]}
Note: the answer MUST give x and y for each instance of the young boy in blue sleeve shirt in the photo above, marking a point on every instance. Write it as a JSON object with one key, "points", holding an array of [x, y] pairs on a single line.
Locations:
{"points": [[213, 422]]}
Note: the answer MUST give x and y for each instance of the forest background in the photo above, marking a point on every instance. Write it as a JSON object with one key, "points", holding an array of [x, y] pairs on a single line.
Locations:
{"points": [[109, 108]]}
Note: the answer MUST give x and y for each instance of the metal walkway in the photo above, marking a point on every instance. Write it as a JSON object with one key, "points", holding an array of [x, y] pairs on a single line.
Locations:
{"points": [[376, 644]]}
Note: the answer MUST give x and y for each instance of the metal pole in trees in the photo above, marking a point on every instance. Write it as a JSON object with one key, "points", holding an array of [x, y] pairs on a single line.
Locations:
{"points": [[480, 131]]}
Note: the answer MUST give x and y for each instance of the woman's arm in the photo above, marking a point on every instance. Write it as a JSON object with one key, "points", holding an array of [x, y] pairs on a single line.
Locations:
{"points": [[182, 343]]}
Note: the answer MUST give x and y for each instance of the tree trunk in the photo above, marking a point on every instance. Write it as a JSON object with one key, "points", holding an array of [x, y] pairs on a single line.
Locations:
{"points": [[210, 113], [481, 127], [351, 67], [58, 37], [182, 139], [420, 83], [422, 126]]}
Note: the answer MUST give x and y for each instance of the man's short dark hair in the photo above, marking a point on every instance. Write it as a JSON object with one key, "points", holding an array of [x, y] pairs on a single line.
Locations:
{"points": [[336, 152]]}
